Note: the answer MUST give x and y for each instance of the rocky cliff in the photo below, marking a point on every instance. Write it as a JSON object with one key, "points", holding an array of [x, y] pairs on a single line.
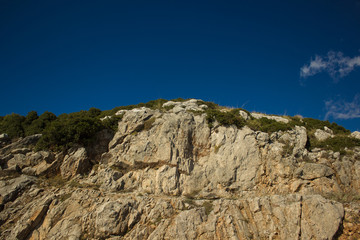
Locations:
{"points": [[175, 174]]}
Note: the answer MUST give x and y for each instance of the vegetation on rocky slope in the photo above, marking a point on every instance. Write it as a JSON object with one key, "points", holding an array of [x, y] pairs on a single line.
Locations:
{"points": [[64, 131]]}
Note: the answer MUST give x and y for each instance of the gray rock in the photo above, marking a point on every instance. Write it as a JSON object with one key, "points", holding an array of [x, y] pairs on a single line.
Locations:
{"points": [[11, 189]]}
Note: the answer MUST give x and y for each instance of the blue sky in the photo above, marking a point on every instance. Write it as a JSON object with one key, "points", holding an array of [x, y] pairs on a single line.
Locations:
{"points": [[279, 57]]}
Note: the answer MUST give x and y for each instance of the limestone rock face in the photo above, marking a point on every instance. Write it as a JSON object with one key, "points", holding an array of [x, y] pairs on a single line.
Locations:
{"points": [[166, 174]]}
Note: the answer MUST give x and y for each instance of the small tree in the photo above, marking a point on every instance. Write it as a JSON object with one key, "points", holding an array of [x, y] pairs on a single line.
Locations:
{"points": [[38, 125], [12, 125]]}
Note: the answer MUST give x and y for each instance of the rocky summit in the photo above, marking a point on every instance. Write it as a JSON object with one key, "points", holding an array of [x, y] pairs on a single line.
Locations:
{"points": [[185, 170]]}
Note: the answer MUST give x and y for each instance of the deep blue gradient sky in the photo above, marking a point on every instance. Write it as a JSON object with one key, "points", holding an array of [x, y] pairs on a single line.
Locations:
{"points": [[65, 56]]}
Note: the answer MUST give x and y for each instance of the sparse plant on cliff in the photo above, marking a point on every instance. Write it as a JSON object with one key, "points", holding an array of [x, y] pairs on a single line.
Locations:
{"points": [[208, 206], [336, 143], [225, 118], [112, 122], [313, 124], [268, 125], [149, 123]]}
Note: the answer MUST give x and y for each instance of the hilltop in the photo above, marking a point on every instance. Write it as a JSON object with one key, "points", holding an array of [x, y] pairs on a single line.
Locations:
{"points": [[180, 169]]}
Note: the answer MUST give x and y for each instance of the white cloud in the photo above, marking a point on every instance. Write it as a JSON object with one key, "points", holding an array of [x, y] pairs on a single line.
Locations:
{"points": [[340, 109], [335, 64]]}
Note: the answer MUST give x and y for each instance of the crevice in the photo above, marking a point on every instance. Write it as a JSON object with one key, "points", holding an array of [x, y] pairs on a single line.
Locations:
{"points": [[301, 206], [35, 221], [340, 230], [124, 168]]}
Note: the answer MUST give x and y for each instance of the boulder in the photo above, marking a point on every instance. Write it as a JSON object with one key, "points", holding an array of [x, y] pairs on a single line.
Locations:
{"points": [[4, 139], [115, 217], [322, 135], [244, 115], [356, 134], [271, 117], [76, 162], [320, 218]]}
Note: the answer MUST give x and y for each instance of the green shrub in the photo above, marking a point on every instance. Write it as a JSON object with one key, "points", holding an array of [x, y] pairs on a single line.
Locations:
{"points": [[179, 100], [224, 118], [216, 148], [38, 125], [268, 125], [113, 122], [155, 104], [313, 124], [69, 129], [337, 143], [287, 149], [30, 117], [149, 123], [94, 112], [210, 105], [296, 121], [208, 206]]}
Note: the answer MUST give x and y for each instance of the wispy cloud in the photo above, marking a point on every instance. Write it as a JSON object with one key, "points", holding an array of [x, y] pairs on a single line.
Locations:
{"points": [[335, 64], [340, 109]]}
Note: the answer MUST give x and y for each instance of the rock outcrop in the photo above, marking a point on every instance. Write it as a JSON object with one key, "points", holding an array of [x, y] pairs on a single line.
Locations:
{"points": [[165, 174]]}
